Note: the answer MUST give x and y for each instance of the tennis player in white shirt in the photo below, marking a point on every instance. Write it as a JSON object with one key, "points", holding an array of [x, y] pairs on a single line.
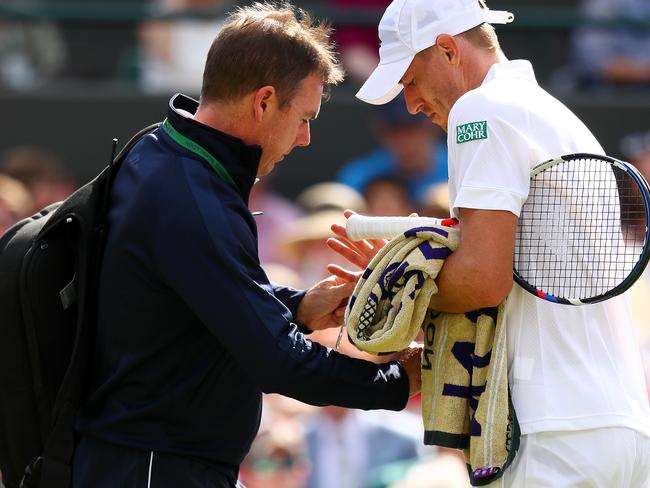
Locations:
{"points": [[575, 372]]}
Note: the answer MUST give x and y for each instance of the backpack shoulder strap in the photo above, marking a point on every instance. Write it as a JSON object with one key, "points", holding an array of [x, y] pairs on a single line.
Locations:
{"points": [[55, 463]]}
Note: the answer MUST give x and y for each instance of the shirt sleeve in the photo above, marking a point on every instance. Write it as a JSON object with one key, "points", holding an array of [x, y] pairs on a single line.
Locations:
{"points": [[488, 157], [290, 297], [213, 271]]}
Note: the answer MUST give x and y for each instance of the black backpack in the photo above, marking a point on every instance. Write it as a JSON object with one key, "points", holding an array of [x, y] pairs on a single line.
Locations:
{"points": [[49, 266]]}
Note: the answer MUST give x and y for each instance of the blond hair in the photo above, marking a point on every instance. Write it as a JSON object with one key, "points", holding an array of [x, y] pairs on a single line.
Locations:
{"points": [[483, 36], [265, 44]]}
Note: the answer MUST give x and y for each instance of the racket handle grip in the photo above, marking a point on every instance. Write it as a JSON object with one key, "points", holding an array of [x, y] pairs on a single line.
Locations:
{"points": [[362, 227]]}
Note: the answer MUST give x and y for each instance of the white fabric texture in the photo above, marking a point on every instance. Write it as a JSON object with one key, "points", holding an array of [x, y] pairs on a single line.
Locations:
{"points": [[598, 458], [570, 368]]}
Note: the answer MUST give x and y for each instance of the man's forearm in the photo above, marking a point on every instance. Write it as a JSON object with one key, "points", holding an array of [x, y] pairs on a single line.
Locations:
{"points": [[463, 287], [479, 273]]}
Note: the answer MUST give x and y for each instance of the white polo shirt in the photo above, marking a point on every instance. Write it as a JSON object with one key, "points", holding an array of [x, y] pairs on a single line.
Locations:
{"points": [[570, 368]]}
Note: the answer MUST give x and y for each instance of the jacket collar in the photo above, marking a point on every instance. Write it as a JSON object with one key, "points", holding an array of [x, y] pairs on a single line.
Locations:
{"points": [[234, 162]]}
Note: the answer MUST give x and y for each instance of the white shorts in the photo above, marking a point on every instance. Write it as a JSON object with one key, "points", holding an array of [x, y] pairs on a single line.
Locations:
{"points": [[596, 458]]}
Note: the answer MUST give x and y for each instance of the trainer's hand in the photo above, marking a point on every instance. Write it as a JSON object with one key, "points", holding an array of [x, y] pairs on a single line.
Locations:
{"points": [[324, 303], [358, 253], [411, 360]]}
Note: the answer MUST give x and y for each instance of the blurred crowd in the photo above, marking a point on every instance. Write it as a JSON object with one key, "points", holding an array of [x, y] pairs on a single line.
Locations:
{"points": [[609, 48], [31, 178], [607, 56], [299, 445]]}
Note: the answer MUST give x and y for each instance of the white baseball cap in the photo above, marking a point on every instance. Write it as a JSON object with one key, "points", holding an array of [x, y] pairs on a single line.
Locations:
{"points": [[411, 26]]}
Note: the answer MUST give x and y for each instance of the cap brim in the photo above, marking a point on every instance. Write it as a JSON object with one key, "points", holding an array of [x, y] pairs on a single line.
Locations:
{"points": [[383, 84], [498, 16]]}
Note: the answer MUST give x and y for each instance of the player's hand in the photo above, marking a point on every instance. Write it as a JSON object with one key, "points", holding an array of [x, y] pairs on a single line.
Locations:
{"points": [[324, 304], [358, 253], [411, 360]]}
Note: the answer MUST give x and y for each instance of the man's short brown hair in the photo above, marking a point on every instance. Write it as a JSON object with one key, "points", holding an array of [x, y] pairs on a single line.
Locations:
{"points": [[265, 44]]}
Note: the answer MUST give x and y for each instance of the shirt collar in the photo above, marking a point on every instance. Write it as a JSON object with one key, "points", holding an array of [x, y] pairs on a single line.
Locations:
{"points": [[239, 160], [518, 68]]}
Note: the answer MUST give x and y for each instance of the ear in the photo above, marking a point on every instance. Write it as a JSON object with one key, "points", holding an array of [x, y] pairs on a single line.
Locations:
{"points": [[264, 98], [448, 47]]}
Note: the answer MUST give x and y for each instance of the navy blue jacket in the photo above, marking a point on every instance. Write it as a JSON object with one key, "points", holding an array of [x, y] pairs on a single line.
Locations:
{"points": [[190, 331]]}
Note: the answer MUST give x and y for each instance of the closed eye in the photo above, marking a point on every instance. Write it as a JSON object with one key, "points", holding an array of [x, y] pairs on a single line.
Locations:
{"points": [[407, 83]]}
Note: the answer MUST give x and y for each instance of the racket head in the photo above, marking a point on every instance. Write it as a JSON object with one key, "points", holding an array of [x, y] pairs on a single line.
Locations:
{"points": [[593, 244]]}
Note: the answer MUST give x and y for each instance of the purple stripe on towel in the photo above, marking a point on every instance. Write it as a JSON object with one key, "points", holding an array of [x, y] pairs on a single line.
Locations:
{"points": [[430, 252], [413, 232], [490, 311], [367, 273], [391, 273]]}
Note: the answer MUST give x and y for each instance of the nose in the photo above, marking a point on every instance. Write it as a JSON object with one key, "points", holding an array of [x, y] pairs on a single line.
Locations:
{"points": [[303, 138], [413, 102]]}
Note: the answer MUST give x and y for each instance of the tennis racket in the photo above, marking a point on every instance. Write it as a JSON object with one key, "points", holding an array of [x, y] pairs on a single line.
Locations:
{"points": [[582, 236]]}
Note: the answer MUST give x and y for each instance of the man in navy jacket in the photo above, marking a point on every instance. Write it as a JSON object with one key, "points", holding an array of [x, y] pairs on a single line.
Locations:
{"points": [[190, 331]]}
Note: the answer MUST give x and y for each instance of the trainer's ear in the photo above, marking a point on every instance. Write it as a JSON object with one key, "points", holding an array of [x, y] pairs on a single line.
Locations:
{"points": [[447, 46], [264, 100]]}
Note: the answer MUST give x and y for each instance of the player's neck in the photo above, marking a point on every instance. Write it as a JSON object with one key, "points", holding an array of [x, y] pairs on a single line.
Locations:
{"points": [[477, 70]]}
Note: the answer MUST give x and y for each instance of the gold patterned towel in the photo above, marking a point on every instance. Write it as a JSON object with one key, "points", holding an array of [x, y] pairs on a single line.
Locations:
{"points": [[465, 397]]}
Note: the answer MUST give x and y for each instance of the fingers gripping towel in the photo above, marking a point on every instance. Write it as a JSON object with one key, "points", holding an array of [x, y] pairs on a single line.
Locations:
{"points": [[465, 398]]}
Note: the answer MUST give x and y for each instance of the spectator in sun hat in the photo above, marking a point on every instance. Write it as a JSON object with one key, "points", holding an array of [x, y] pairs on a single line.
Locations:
{"points": [[304, 241]]}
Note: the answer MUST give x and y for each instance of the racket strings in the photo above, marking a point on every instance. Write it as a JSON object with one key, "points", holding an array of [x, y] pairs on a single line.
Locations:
{"points": [[582, 229]]}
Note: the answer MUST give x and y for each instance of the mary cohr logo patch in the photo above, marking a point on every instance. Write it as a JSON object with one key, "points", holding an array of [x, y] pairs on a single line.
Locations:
{"points": [[473, 131]]}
